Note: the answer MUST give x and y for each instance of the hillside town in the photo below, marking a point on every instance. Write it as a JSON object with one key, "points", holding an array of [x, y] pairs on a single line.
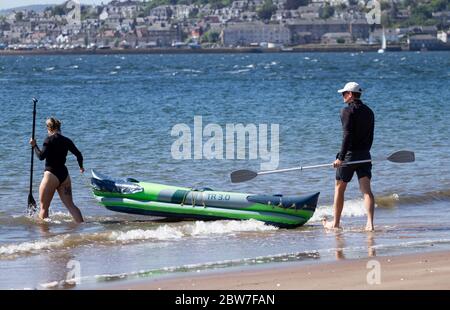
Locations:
{"points": [[279, 24]]}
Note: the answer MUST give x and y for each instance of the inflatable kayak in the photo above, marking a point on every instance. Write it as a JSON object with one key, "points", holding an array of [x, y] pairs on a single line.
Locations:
{"points": [[132, 196]]}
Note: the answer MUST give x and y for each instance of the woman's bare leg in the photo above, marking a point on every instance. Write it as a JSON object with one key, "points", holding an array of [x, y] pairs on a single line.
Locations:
{"points": [[47, 189], [65, 193]]}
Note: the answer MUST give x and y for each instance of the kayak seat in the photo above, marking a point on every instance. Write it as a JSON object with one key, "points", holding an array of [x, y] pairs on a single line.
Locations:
{"points": [[114, 187], [294, 202]]}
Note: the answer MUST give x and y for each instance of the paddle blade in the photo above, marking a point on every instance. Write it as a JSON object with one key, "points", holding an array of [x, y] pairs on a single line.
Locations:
{"points": [[402, 157], [31, 205], [242, 176]]}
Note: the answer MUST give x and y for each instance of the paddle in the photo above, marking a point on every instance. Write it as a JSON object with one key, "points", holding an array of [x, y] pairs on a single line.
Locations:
{"points": [[31, 202], [246, 175]]}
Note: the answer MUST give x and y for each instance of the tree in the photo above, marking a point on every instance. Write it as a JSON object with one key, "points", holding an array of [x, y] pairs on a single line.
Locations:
{"points": [[59, 10], [342, 6], [19, 16], [266, 11], [153, 4], [384, 5], [88, 12], [210, 36], [407, 3], [326, 11], [295, 4], [439, 5], [422, 12], [194, 13], [216, 4], [386, 20]]}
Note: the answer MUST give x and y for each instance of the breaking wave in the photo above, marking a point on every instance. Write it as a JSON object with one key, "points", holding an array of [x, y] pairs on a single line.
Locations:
{"points": [[160, 233], [355, 208], [395, 199], [352, 208]]}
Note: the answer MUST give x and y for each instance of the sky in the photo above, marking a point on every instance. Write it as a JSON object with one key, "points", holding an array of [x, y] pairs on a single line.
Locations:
{"points": [[6, 4]]}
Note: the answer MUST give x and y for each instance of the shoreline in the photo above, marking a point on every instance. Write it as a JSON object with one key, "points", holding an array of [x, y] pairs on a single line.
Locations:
{"points": [[308, 48], [429, 270]]}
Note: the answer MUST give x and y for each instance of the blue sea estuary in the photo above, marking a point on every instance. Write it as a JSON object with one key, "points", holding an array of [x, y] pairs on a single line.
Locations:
{"points": [[120, 111]]}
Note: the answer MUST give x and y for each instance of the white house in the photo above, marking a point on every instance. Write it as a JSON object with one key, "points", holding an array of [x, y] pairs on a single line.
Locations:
{"points": [[245, 34]]}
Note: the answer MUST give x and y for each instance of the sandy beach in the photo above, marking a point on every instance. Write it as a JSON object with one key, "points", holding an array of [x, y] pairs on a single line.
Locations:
{"points": [[417, 271]]}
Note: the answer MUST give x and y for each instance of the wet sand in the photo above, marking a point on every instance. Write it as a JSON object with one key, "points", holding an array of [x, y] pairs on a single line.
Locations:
{"points": [[415, 271]]}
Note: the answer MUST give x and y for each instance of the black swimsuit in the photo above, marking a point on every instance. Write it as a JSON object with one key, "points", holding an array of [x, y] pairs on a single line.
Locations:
{"points": [[54, 151]]}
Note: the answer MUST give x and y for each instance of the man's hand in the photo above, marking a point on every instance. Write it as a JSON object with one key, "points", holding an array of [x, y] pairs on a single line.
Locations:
{"points": [[82, 170], [337, 163], [32, 142]]}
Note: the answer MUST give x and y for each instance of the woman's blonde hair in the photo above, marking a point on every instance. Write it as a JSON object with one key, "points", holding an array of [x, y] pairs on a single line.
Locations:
{"points": [[53, 124]]}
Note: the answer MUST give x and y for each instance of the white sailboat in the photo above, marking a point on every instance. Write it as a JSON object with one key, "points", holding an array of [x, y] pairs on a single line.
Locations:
{"points": [[383, 43]]}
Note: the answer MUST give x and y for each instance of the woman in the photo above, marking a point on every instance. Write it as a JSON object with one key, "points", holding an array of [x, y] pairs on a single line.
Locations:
{"points": [[56, 175]]}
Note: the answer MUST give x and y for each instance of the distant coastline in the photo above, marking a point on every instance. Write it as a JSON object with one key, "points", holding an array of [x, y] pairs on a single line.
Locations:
{"points": [[298, 49]]}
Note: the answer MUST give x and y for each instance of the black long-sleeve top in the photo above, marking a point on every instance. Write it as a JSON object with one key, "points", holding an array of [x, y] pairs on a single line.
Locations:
{"points": [[358, 123], [55, 150]]}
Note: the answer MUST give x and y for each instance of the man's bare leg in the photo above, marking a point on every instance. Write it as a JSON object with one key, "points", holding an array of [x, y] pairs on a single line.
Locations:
{"points": [[339, 192], [369, 201]]}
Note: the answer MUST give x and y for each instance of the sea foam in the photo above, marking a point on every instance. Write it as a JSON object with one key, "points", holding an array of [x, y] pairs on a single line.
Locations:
{"points": [[352, 208]]}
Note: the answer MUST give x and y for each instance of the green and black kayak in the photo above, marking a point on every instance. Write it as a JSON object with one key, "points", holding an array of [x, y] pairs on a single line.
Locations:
{"points": [[132, 196]]}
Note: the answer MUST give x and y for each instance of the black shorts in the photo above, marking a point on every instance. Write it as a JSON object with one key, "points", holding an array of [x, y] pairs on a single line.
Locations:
{"points": [[362, 170]]}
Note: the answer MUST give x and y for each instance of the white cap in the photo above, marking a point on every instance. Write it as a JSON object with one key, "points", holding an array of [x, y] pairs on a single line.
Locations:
{"points": [[351, 87]]}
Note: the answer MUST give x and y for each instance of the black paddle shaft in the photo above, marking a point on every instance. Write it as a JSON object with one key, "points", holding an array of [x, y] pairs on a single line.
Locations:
{"points": [[32, 151]]}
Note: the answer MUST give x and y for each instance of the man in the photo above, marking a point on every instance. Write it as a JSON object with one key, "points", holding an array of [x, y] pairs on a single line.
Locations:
{"points": [[358, 126]]}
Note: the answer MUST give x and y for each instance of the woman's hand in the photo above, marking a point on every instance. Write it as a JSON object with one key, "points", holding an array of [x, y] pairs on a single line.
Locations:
{"points": [[82, 170], [32, 142]]}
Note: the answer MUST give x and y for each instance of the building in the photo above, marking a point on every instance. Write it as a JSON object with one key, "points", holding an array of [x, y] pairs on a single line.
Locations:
{"points": [[163, 34], [431, 30], [161, 13], [403, 14], [424, 42], [280, 4], [337, 38], [244, 34], [331, 2], [244, 5], [181, 12], [226, 14], [113, 21], [301, 38], [309, 11], [391, 35], [359, 29], [249, 16], [126, 9]]}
